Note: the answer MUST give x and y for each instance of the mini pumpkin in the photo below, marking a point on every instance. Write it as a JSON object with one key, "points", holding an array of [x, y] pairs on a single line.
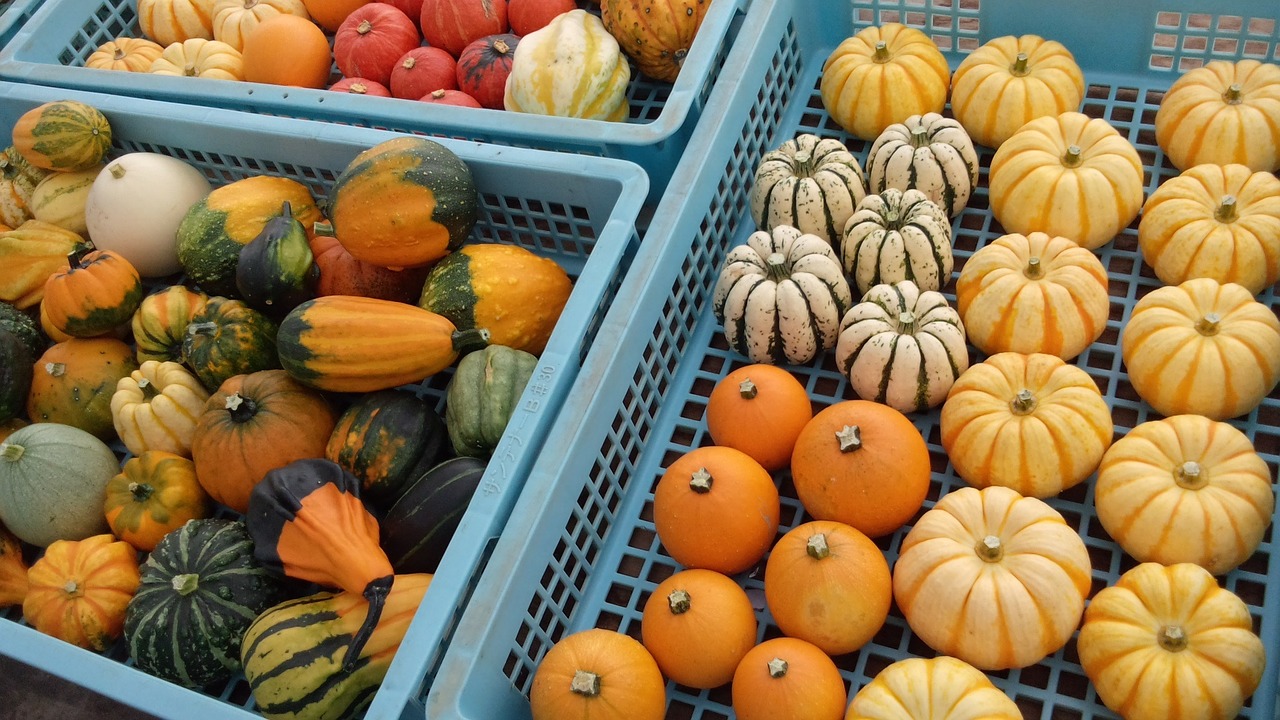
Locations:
{"points": [[160, 323], [759, 409], [698, 625], [599, 673], [32, 252], [226, 337], [810, 183], [234, 20], [894, 236], [173, 21], [98, 292], [155, 493], [74, 381], [939, 688], [18, 181], [785, 677], [156, 408], [127, 54], [929, 153], [210, 59], [1224, 112], [63, 135], [80, 589]]}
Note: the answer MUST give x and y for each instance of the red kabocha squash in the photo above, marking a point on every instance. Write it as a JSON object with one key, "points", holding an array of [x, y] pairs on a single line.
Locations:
{"points": [[360, 86], [411, 8], [422, 70], [342, 274], [450, 97], [453, 24], [483, 68], [371, 40], [98, 292], [526, 16]]}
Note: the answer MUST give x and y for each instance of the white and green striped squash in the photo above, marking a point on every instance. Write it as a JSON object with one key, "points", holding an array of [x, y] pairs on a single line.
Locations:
{"points": [[60, 199], [902, 347], [894, 236], [930, 153], [781, 296], [810, 183], [572, 67], [18, 181]]}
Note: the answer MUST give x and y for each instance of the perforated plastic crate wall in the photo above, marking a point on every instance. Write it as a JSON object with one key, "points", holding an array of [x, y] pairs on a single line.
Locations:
{"points": [[52, 46], [12, 14], [579, 211], [580, 549]]}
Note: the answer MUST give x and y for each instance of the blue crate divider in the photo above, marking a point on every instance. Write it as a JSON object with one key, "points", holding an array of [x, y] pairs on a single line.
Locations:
{"points": [[580, 549], [579, 211], [51, 49], [13, 13]]}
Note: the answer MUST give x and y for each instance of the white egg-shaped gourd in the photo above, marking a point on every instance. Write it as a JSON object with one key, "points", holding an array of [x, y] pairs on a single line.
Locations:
{"points": [[53, 483]]}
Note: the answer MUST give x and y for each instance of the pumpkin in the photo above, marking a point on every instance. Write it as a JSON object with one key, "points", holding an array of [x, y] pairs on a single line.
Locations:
{"points": [[156, 408], [289, 50], [1215, 221], [418, 529], [227, 337], [16, 371], [52, 483], [939, 688], [588, 77], [423, 70], [197, 57], [1203, 348], [329, 14], [511, 292], [454, 24], [483, 68], [1067, 175], [716, 508], [253, 424], [200, 589], [24, 328], [60, 199], [74, 380], [136, 204], [482, 397], [827, 583], [657, 36], [360, 86], [98, 292], [154, 493], [993, 578], [342, 274], [698, 625], [387, 440], [355, 344], [18, 180], [1032, 423], [883, 75], [63, 135], [411, 8], [787, 678], [79, 590], [599, 673], [403, 202], [1222, 113], [371, 40], [276, 270], [218, 226], [173, 21], [810, 183], [759, 409], [234, 20], [929, 153], [13, 570], [894, 236], [160, 323], [526, 16], [450, 97], [1010, 81], [1185, 489], [1033, 293], [861, 463], [781, 295], [902, 347], [128, 54], [32, 252]]}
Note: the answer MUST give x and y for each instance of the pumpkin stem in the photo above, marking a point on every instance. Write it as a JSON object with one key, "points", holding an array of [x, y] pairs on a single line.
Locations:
{"points": [[376, 593], [119, 54], [804, 163], [1019, 68], [117, 170], [850, 438], [11, 452], [1233, 95], [679, 602], [140, 491], [989, 549], [748, 389], [72, 588], [202, 328], [241, 408], [409, 62], [1172, 638], [816, 547], [1227, 211], [75, 258], [323, 228], [190, 70], [919, 136], [1072, 159], [585, 683], [148, 389], [881, 54], [357, 89], [56, 369], [364, 27], [1190, 475], [186, 583], [776, 265], [907, 322], [777, 667], [501, 47], [700, 482], [1023, 403], [1034, 270], [1208, 325], [465, 341]]}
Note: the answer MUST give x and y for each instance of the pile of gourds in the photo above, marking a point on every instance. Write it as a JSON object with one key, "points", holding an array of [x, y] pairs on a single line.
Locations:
{"points": [[215, 439], [990, 577]]}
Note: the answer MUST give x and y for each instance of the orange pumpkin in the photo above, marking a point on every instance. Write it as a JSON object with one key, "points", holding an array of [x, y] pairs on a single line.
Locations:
{"points": [[940, 688], [154, 493], [201, 58], [287, 50], [598, 674], [127, 54], [788, 678], [74, 382], [80, 589], [759, 409], [173, 21], [329, 14], [698, 625], [13, 570], [98, 292], [655, 35]]}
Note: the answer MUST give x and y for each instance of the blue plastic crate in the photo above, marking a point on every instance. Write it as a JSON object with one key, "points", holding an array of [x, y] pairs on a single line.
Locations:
{"points": [[13, 13], [51, 49], [579, 211], [580, 549]]}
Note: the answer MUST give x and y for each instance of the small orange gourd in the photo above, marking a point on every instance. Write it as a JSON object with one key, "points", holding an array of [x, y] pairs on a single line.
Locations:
{"points": [[759, 409], [74, 381], [154, 493], [698, 625], [598, 674], [80, 589], [13, 570], [788, 678], [98, 292]]}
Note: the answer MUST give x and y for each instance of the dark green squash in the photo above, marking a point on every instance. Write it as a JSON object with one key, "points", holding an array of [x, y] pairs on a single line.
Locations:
{"points": [[418, 528], [276, 271], [16, 367], [227, 337], [201, 589], [482, 396], [25, 327]]}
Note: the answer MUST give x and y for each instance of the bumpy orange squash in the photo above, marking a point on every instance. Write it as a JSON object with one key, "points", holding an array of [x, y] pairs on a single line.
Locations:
{"points": [[80, 588]]}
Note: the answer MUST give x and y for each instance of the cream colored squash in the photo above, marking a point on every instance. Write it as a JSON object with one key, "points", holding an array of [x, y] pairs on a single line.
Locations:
{"points": [[233, 20], [209, 59], [572, 67], [175, 21], [810, 183], [940, 688], [60, 199], [156, 408], [1224, 112]]}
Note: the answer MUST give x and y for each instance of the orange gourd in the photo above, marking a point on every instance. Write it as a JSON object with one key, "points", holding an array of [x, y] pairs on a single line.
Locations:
{"points": [[788, 678], [154, 493], [330, 13], [173, 21], [598, 674], [698, 625], [200, 58], [861, 463], [940, 688], [80, 589], [125, 53], [13, 570], [287, 50], [32, 252], [98, 292], [759, 409], [1223, 112], [74, 381]]}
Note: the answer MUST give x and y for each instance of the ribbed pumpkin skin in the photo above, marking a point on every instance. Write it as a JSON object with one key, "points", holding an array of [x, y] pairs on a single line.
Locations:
{"points": [[79, 590], [234, 20], [201, 589], [417, 529], [483, 68], [171, 21], [387, 439], [482, 397], [18, 180], [160, 323], [53, 489], [454, 24], [225, 338], [63, 135], [655, 35], [590, 74], [155, 493], [403, 203], [157, 406], [99, 291], [293, 652], [896, 236], [74, 381], [930, 153], [810, 183], [1010, 81], [209, 59], [32, 252], [126, 54], [1196, 122], [940, 688]]}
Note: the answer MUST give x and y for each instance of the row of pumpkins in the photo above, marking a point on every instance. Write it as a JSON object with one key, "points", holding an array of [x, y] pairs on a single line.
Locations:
{"points": [[281, 484], [991, 577], [538, 56]]}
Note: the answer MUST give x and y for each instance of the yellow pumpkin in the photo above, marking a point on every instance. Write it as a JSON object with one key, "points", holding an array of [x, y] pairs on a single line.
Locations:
{"points": [[1010, 81], [1224, 112], [572, 67], [940, 688], [883, 75], [1032, 423], [156, 408], [127, 54], [1068, 175], [1202, 347], [1214, 221], [1185, 489], [79, 590], [174, 21], [1166, 643], [1033, 293], [233, 20], [200, 58], [992, 578]]}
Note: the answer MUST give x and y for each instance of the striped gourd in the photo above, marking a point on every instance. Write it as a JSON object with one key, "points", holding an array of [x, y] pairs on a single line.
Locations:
{"points": [[175, 21], [63, 135], [781, 296], [902, 347], [201, 589], [810, 183], [572, 67], [895, 236], [930, 153], [293, 654], [60, 199], [18, 181]]}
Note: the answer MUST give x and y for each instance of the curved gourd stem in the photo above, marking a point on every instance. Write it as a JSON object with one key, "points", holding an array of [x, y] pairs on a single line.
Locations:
{"points": [[1023, 403], [1034, 269], [1190, 475], [376, 593], [1073, 157], [1172, 638], [585, 683], [679, 602], [1227, 210], [881, 55], [1208, 325], [700, 481], [1019, 68], [148, 389], [990, 549], [816, 547]]}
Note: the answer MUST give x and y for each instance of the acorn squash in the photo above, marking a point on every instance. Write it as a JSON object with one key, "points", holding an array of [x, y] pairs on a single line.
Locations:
{"points": [[227, 337], [482, 397]]}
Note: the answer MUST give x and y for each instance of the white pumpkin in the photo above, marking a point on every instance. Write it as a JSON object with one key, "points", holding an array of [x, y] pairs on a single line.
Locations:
{"points": [[810, 183], [930, 153], [136, 204], [902, 347], [894, 236], [781, 296]]}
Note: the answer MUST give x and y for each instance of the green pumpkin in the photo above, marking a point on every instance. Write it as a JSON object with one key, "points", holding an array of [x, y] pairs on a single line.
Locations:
{"points": [[226, 338], [276, 271], [53, 483], [16, 365], [24, 327], [482, 396]]}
